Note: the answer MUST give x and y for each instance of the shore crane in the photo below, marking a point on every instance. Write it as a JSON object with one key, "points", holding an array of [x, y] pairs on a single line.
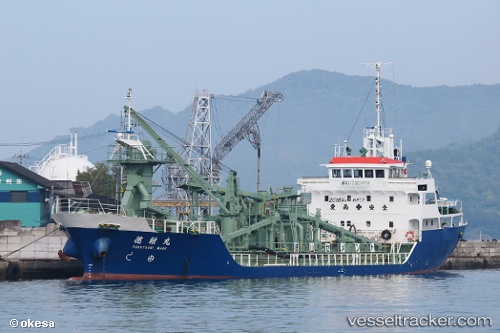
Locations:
{"points": [[246, 128], [198, 138]]}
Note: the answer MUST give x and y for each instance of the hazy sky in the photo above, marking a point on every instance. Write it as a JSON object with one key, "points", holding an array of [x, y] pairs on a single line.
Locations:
{"points": [[65, 64]]}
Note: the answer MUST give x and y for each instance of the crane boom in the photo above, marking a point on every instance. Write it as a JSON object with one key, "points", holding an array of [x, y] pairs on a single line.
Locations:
{"points": [[246, 127], [193, 174]]}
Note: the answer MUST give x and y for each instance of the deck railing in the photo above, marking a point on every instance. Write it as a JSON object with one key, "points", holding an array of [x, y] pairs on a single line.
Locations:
{"points": [[192, 227], [87, 205], [321, 259]]}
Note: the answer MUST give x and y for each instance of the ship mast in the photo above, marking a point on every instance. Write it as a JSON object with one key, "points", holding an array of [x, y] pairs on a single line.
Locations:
{"points": [[129, 125], [378, 99], [378, 141]]}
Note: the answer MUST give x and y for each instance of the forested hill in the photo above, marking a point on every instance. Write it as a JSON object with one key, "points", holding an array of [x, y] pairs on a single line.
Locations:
{"points": [[470, 172]]}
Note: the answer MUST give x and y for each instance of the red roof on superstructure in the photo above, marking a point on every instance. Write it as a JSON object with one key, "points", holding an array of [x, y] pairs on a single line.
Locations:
{"points": [[364, 160]]}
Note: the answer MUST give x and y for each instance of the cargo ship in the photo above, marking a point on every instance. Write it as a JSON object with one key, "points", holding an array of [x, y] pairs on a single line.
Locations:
{"points": [[366, 216]]}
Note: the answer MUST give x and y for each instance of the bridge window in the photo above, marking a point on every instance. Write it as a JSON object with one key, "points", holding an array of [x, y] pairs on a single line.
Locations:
{"points": [[396, 173], [358, 173], [336, 173], [379, 174], [368, 173], [347, 173], [430, 198]]}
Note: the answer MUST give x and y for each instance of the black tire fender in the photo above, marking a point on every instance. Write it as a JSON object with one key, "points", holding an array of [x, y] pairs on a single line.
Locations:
{"points": [[13, 271], [386, 234]]}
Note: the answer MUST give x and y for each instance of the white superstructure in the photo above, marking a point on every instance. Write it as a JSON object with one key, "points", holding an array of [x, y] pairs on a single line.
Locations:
{"points": [[372, 194]]}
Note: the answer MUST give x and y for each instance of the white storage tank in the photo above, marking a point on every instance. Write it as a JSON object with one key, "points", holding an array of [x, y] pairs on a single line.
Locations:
{"points": [[63, 162]]}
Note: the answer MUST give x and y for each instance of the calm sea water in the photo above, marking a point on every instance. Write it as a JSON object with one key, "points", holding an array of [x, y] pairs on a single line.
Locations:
{"points": [[274, 305]]}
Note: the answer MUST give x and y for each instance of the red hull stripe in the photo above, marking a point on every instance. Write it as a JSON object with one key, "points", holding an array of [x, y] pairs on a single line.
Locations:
{"points": [[137, 277], [425, 271]]}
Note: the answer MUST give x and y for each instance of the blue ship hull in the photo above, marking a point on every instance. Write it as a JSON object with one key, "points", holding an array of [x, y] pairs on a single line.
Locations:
{"points": [[130, 255]]}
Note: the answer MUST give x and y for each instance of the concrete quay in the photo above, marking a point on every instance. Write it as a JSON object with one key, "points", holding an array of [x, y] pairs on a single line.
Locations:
{"points": [[474, 255], [32, 253]]}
